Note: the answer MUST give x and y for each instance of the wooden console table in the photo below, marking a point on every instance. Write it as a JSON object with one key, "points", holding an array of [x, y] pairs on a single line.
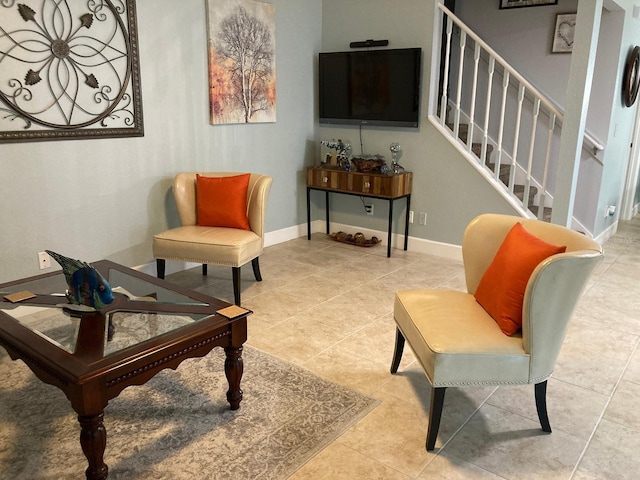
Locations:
{"points": [[372, 185]]}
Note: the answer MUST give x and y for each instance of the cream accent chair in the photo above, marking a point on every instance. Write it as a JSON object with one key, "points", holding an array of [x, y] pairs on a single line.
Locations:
{"points": [[459, 344], [214, 245]]}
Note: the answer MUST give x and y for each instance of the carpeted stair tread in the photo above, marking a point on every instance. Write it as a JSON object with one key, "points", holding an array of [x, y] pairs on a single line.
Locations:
{"points": [[518, 191], [476, 148], [505, 170], [546, 214]]}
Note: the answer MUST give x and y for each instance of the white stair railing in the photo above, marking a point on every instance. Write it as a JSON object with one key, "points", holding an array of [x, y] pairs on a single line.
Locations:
{"points": [[509, 132]]}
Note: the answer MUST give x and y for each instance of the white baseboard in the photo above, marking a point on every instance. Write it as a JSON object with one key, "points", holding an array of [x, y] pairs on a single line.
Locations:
{"points": [[607, 234], [286, 234], [419, 245]]}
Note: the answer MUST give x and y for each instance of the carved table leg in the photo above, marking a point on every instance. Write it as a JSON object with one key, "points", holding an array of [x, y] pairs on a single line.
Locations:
{"points": [[233, 370], [93, 439]]}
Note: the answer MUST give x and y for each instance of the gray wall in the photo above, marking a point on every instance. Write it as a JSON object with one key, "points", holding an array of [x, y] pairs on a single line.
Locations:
{"points": [[94, 199]]}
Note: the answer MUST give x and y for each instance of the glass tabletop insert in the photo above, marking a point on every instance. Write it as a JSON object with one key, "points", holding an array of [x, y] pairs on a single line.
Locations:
{"points": [[125, 327]]}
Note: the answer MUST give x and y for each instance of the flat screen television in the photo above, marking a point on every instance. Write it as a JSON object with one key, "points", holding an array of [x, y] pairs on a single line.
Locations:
{"points": [[370, 87]]}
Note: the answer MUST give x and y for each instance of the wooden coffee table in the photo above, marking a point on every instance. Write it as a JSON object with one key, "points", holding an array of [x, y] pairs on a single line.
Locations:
{"points": [[92, 357]]}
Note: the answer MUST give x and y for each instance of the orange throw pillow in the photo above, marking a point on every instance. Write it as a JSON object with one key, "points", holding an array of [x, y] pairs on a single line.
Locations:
{"points": [[501, 289], [222, 201]]}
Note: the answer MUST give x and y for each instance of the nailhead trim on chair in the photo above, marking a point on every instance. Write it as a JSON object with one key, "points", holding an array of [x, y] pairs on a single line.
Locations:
{"points": [[468, 384], [194, 260]]}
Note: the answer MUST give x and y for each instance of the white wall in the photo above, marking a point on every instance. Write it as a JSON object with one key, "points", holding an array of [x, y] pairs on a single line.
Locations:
{"points": [[621, 125], [94, 199]]}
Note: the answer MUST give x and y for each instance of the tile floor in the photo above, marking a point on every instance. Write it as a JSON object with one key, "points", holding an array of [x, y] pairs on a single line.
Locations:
{"points": [[328, 307]]}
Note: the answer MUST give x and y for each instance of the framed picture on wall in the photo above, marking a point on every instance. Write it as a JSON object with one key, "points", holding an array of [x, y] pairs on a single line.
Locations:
{"points": [[563, 33], [242, 61], [525, 3], [69, 70]]}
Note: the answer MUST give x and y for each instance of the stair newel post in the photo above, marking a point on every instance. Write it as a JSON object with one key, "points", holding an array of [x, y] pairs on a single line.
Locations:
{"points": [[503, 106], [445, 81], [456, 123], [516, 138], [532, 141], [543, 194], [492, 67], [472, 110]]}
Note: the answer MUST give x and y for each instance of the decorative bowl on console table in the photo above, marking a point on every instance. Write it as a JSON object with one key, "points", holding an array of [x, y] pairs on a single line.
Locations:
{"points": [[377, 165]]}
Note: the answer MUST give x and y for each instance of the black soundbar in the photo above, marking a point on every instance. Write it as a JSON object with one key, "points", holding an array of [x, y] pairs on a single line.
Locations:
{"points": [[369, 43]]}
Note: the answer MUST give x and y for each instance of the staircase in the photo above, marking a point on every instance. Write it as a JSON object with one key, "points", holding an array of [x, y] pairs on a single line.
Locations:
{"points": [[498, 118], [504, 173]]}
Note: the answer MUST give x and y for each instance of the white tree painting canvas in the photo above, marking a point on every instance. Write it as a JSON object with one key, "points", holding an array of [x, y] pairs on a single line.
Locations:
{"points": [[242, 61]]}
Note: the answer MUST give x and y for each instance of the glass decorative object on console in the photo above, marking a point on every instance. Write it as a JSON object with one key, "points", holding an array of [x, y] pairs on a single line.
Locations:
{"points": [[342, 157], [396, 168]]}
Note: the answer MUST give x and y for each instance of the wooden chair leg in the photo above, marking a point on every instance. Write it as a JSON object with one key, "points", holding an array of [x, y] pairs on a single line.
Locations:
{"points": [[204, 269], [236, 285], [435, 413], [397, 352], [256, 269], [541, 405], [160, 263]]}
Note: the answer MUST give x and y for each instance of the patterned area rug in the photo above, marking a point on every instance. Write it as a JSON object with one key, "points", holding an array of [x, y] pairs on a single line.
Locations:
{"points": [[178, 425]]}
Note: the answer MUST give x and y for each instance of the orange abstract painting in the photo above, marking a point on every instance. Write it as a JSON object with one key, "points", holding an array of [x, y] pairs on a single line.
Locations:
{"points": [[242, 61]]}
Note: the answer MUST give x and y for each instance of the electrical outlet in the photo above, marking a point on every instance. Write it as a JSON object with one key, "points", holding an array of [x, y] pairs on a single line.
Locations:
{"points": [[423, 218], [410, 216], [368, 208], [610, 211], [44, 260]]}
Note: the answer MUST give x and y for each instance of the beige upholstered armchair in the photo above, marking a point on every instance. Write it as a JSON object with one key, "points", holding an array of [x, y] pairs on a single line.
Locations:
{"points": [[218, 245], [459, 344]]}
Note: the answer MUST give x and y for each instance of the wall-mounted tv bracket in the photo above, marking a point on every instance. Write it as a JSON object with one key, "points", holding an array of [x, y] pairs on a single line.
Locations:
{"points": [[369, 43]]}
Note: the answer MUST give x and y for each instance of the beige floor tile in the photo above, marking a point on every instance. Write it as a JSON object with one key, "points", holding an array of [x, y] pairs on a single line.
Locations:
{"points": [[600, 315], [338, 462], [329, 307], [572, 409], [315, 288], [593, 357], [450, 467], [394, 435], [514, 447], [276, 307], [377, 266], [193, 278], [297, 339], [419, 276], [409, 384], [460, 405], [615, 299], [347, 368], [376, 342], [623, 408], [632, 373], [612, 454]]}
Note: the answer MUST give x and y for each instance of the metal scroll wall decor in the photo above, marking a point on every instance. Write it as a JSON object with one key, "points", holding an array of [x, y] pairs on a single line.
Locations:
{"points": [[69, 69]]}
